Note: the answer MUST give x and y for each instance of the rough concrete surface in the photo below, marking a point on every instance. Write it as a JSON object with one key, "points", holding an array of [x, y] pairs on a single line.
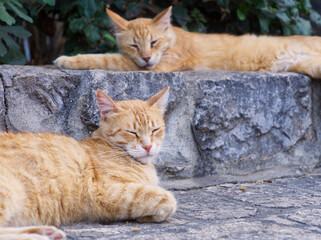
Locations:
{"points": [[279, 209], [218, 122]]}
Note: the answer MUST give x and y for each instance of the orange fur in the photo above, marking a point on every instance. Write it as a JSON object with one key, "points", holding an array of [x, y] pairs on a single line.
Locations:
{"points": [[169, 48], [53, 179]]}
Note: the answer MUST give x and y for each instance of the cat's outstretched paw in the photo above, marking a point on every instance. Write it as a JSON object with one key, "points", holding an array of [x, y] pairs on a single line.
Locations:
{"points": [[50, 232], [166, 208], [63, 62]]}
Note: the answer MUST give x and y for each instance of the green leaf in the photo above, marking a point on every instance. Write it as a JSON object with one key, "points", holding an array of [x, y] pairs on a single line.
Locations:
{"points": [[78, 24], [264, 24], [86, 7], [110, 37], [294, 12], [4, 15], [18, 31], [315, 17], [286, 30], [14, 57], [92, 34], [8, 40], [283, 17], [305, 5], [3, 49], [17, 3], [197, 15], [19, 12], [181, 15], [67, 6], [102, 20], [49, 2], [240, 15], [303, 27]]}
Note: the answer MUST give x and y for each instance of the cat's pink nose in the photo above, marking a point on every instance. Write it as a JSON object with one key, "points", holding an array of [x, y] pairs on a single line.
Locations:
{"points": [[147, 147], [146, 59]]}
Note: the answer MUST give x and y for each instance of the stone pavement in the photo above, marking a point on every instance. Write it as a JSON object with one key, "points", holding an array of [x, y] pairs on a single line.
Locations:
{"points": [[288, 208]]}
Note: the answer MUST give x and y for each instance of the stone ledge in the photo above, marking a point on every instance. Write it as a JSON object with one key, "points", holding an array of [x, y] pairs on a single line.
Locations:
{"points": [[217, 122]]}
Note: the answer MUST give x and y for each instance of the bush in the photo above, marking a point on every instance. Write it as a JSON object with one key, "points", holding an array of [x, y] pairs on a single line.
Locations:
{"points": [[82, 26], [11, 35]]}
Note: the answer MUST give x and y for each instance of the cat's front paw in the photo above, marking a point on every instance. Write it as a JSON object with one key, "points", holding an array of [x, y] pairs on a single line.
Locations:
{"points": [[165, 209], [53, 233], [63, 62], [50, 232]]}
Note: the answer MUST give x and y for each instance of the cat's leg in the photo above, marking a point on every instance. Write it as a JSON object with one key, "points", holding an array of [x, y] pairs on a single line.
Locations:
{"points": [[186, 64], [113, 62], [23, 237], [310, 66], [141, 202], [32, 232]]}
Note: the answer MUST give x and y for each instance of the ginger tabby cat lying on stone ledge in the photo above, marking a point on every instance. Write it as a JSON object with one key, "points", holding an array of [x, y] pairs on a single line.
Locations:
{"points": [[154, 44], [49, 179]]}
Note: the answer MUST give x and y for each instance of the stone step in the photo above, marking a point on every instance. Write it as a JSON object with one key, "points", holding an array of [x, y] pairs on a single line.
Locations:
{"points": [[218, 123]]}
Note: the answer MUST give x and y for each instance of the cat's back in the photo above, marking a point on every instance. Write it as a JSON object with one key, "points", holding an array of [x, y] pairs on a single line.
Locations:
{"points": [[40, 158], [43, 171], [38, 151]]}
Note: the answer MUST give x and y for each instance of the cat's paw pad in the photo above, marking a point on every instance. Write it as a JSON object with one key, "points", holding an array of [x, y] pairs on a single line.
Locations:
{"points": [[52, 233], [62, 62], [146, 219]]}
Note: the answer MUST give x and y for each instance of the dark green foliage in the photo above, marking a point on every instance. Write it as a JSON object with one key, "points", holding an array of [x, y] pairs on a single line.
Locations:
{"points": [[10, 10], [87, 28]]}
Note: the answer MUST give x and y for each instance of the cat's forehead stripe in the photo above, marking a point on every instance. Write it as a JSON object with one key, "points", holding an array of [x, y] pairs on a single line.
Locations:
{"points": [[141, 33]]}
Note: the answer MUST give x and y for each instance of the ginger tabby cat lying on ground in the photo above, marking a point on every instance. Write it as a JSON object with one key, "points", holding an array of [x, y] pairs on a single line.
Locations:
{"points": [[154, 44], [48, 179]]}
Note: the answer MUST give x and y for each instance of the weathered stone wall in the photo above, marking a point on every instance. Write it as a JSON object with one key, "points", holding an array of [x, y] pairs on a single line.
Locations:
{"points": [[217, 122]]}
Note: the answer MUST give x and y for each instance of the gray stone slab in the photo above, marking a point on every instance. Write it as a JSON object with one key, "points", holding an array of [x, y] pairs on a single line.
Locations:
{"points": [[251, 117], [225, 124]]}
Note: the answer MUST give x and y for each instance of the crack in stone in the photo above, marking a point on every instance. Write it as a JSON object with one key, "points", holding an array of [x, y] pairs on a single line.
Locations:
{"points": [[301, 222], [5, 103]]}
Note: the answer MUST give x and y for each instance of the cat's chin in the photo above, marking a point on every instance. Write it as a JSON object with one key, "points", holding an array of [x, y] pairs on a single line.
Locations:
{"points": [[145, 160], [146, 66], [149, 66]]}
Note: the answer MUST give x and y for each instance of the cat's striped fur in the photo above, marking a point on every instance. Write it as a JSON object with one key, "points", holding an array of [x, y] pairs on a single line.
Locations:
{"points": [[154, 44], [48, 179]]}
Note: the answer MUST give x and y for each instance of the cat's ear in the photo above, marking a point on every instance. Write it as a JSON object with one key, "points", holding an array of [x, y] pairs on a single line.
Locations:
{"points": [[164, 18], [120, 24], [160, 99], [105, 104]]}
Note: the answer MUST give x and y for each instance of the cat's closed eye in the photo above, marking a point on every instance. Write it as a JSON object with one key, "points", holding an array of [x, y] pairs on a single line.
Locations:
{"points": [[152, 43], [134, 46], [155, 131], [132, 133]]}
